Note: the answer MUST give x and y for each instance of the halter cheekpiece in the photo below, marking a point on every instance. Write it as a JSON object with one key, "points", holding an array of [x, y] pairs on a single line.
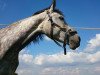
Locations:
{"points": [[66, 39]]}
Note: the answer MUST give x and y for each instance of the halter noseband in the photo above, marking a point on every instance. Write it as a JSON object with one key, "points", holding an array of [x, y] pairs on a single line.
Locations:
{"points": [[66, 39]]}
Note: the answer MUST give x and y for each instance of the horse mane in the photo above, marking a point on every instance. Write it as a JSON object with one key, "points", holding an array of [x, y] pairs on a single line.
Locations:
{"points": [[40, 11], [37, 38]]}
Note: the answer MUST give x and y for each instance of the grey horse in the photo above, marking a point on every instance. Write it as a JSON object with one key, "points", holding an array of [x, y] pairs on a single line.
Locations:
{"points": [[18, 35]]}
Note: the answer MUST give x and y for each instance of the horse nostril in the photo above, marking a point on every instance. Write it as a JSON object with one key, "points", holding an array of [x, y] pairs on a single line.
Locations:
{"points": [[73, 32]]}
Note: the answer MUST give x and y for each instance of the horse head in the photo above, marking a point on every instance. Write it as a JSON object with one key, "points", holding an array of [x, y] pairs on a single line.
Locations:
{"points": [[58, 30]]}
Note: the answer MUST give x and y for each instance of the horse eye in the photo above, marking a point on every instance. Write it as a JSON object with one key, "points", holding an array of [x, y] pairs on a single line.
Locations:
{"points": [[73, 32], [61, 18]]}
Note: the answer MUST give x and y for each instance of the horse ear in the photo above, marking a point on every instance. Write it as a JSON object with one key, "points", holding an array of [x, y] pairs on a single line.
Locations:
{"points": [[53, 5]]}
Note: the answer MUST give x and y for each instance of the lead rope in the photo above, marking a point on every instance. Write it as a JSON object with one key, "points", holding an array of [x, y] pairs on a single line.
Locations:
{"points": [[64, 44]]}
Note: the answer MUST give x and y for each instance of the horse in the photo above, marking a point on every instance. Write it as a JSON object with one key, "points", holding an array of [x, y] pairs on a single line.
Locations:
{"points": [[15, 37]]}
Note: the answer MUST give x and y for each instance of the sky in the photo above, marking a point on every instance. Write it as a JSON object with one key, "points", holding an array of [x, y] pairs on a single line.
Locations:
{"points": [[45, 57]]}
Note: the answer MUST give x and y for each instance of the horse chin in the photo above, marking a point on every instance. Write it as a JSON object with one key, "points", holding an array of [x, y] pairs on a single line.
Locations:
{"points": [[73, 47]]}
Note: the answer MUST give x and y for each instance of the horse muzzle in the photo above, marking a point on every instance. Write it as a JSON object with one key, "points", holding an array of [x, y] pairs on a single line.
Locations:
{"points": [[74, 41]]}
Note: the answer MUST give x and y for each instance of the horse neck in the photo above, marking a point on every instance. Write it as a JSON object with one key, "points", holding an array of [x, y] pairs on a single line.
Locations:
{"points": [[12, 37]]}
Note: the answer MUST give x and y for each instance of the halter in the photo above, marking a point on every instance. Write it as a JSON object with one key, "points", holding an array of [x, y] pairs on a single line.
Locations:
{"points": [[66, 39]]}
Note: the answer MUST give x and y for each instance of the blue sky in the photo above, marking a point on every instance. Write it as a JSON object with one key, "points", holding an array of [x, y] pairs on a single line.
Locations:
{"points": [[78, 13]]}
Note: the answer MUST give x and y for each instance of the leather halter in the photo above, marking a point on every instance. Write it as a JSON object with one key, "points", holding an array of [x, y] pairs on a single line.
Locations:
{"points": [[66, 39]]}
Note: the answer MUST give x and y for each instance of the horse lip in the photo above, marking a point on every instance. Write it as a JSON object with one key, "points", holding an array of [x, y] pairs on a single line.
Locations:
{"points": [[73, 48]]}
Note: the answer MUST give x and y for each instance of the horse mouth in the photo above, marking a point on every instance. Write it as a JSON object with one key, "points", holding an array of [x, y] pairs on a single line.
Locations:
{"points": [[73, 46]]}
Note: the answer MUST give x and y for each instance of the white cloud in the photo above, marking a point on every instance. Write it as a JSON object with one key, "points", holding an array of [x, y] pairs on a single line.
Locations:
{"points": [[27, 58], [70, 58], [93, 58], [74, 63], [58, 64], [60, 71], [93, 44], [53, 59]]}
